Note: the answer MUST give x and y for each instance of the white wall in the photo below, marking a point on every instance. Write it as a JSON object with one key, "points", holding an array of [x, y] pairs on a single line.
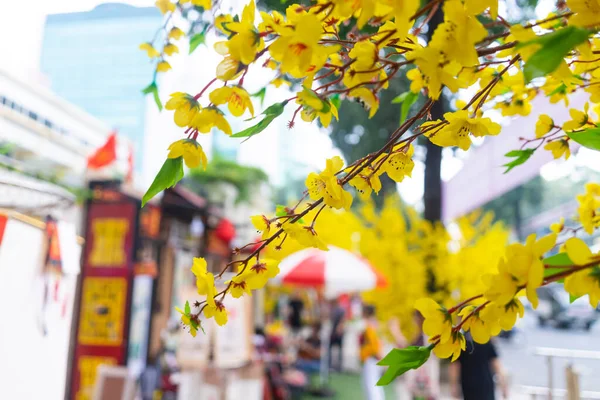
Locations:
{"points": [[32, 365]]}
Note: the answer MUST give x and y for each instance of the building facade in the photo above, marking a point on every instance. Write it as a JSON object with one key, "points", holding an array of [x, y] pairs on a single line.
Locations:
{"points": [[92, 60]]}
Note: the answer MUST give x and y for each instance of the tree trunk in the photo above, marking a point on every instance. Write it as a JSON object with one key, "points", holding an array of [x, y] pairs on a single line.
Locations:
{"points": [[432, 196]]}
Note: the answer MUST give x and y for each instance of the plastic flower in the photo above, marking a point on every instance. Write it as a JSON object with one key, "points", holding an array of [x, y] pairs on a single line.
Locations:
{"points": [[163, 66], [185, 106], [165, 6], [218, 311], [205, 281], [559, 148], [326, 186], [236, 97], [150, 50], [543, 125], [170, 49], [175, 33], [293, 49], [578, 119], [262, 225], [190, 150], [452, 347], [208, 118], [400, 164], [438, 322], [456, 132]]}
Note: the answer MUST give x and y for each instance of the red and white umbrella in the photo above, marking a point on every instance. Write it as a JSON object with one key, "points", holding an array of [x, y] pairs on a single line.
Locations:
{"points": [[336, 271]]}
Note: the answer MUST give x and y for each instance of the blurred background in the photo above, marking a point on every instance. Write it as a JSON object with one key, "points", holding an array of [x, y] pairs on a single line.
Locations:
{"points": [[88, 279]]}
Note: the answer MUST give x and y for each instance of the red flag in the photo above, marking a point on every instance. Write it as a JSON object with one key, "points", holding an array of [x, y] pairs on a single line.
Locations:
{"points": [[105, 154]]}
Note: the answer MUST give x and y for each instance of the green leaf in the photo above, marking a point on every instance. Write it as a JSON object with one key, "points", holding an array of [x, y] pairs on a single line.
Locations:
{"points": [[572, 298], [280, 211], [187, 309], [272, 112], [196, 40], [400, 98], [589, 138], [152, 88], [562, 88], [261, 95], [399, 361], [336, 101], [554, 47], [406, 105], [520, 157], [557, 260], [170, 173]]}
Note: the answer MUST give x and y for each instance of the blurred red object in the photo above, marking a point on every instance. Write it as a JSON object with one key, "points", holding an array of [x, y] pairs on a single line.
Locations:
{"points": [[104, 155], [225, 230]]}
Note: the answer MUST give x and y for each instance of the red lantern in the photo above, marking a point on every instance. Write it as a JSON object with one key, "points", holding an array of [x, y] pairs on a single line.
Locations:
{"points": [[225, 230]]}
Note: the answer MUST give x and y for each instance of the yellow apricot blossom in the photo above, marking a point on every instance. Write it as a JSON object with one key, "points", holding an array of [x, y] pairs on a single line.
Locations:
{"points": [[452, 347], [190, 150], [438, 322], [186, 107], [559, 148], [325, 185], [294, 48], [262, 225], [170, 49], [236, 97], [205, 281], [165, 6], [456, 132], [208, 118], [400, 164], [543, 125], [163, 66], [150, 50], [216, 311]]}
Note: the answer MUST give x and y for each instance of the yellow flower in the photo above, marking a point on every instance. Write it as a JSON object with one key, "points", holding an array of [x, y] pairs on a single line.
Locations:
{"points": [[478, 6], [271, 22], [578, 119], [163, 66], [438, 322], [367, 99], [584, 282], [452, 347], [246, 41], [175, 33], [170, 49], [437, 69], [579, 252], [325, 185], [206, 4], [148, 48], [481, 329], [188, 320], [313, 107], [588, 204], [557, 227], [401, 11], [185, 106], [399, 164], [417, 81], [236, 97], [501, 287], [304, 235], [456, 132], [221, 22], [205, 281], [365, 54], [165, 6], [587, 13], [559, 148], [229, 69], [543, 125], [261, 272], [367, 181], [293, 49], [190, 150], [262, 225], [239, 286], [208, 118], [217, 311]]}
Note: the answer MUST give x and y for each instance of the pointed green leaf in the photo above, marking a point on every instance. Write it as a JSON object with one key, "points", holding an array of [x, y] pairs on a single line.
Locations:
{"points": [[520, 157], [336, 101], [554, 47], [272, 112], [572, 298], [187, 309], [170, 173], [410, 99], [589, 138], [261, 95], [557, 260], [400, 98], [399, 361], [152, 88], [196, 40]]}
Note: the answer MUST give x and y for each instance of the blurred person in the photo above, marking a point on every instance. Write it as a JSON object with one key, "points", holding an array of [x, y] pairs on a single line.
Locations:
{"points": [[423, 383], [338, 317], [475, 370], [370, 354], [309, 351], [296, 312]]}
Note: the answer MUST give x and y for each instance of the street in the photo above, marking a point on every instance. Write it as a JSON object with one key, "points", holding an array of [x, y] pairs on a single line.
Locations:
{"points": [[525, 368]]}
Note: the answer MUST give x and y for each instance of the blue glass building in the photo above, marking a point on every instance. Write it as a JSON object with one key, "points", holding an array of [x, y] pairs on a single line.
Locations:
{"points": [[92, 60]]}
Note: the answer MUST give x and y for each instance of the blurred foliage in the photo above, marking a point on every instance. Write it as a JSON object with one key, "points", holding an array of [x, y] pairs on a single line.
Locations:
{"points": [[244, 178]]}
